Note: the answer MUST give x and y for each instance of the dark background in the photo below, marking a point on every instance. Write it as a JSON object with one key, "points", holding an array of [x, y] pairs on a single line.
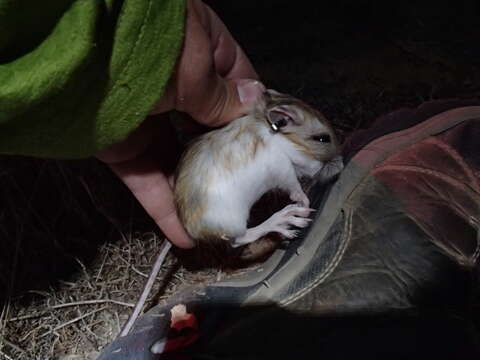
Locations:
{"points": [[358, 59], [354, 60]]}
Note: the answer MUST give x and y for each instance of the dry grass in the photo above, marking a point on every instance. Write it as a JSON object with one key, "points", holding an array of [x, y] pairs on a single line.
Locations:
{"points": [[77, 320]]}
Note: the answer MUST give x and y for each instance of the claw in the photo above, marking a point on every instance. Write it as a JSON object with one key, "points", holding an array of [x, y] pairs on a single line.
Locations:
{"points": [[290, 234]]}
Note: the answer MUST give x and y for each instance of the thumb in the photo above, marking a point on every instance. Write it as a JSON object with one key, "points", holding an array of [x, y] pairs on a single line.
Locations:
{"points": [[227, 100]]}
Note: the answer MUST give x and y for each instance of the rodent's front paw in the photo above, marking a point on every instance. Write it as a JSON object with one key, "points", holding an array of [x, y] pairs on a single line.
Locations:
{"points": [[290, 215], [280, 222]]}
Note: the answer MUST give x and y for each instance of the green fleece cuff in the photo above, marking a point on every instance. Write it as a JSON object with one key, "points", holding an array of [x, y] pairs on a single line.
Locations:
{"points": [[88, 77]]}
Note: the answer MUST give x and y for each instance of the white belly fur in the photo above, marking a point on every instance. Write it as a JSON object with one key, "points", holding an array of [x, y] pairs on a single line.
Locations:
{"points": [[232, 194]]}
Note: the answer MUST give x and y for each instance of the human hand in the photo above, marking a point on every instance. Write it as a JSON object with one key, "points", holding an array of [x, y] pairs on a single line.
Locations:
{"points": [[214, 83]]}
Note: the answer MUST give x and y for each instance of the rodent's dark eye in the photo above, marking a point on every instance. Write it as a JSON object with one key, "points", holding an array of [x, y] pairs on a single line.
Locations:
{"points": [[281, 122], [324, 138]]}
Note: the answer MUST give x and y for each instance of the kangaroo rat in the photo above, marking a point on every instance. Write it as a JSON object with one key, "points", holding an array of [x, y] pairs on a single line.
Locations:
{"points": [[225, 171]]}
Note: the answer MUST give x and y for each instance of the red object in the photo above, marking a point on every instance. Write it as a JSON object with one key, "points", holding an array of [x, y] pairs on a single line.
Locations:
{"points": [[187, 326]]}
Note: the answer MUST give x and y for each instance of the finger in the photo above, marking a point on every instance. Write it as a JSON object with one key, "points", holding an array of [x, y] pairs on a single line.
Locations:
{"points": [[151, 188], [229, 58], [222, 101], [198, 88]]}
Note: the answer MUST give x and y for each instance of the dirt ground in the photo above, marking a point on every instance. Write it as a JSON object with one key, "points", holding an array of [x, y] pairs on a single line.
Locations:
{"points": [[74, 245]]}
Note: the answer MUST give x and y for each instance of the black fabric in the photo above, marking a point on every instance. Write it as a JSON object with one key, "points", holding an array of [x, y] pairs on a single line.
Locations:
{"points": [[284, 335]]}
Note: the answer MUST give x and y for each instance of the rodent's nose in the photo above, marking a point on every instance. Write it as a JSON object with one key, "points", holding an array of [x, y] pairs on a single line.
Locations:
{"points": [[323, 138]]}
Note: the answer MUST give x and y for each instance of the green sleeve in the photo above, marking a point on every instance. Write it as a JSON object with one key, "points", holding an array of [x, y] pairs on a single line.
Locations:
{"points": [[79, 75]]}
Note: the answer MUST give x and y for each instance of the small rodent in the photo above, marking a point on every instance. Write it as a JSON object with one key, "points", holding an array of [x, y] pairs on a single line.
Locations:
{"points": [[225, 171]]}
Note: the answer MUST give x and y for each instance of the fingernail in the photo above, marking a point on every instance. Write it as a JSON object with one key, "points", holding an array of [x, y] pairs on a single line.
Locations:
{"points": [[249, 91]]}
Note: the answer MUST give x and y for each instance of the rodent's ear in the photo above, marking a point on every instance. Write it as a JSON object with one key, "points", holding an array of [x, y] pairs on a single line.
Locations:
{"points": [[281, 116]]}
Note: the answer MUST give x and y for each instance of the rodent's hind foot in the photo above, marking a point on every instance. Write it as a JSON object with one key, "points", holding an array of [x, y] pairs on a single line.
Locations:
{"points": [[280, 222]]}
